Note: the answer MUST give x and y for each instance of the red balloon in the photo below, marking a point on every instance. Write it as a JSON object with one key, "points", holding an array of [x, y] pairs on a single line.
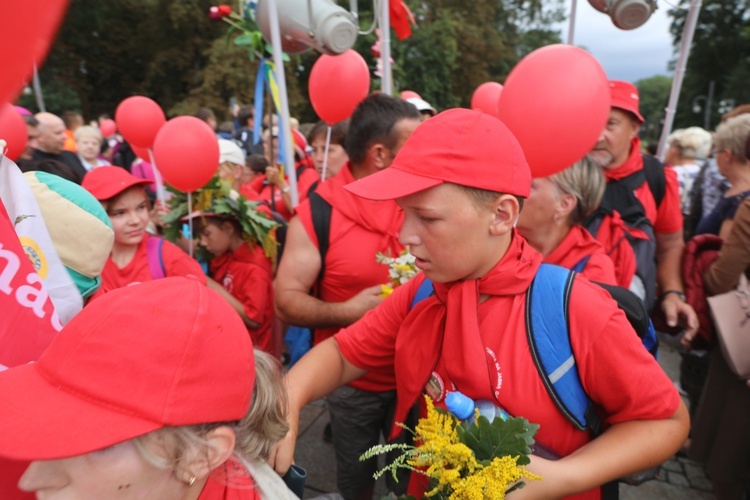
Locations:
{"points": [[186, 152], [410, 94], [13, 131], [108, 127], [29, 27], [141, 153], [486, 98], [556, 102], [139, 120], [337, 84]]}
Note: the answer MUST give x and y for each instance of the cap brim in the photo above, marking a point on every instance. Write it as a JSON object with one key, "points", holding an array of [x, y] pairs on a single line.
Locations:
{"points": [[390, 184], [41, 421]]}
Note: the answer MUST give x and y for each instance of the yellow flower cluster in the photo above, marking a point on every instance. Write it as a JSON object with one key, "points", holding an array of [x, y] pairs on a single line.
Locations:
{"points": [[453, 465]]}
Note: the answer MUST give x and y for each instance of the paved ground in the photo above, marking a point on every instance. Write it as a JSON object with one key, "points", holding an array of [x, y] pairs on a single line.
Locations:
{"points": [[679, 479]]}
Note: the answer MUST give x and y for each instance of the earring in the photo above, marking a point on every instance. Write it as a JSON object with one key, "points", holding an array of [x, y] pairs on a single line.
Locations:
{"points": [[191, 481]]}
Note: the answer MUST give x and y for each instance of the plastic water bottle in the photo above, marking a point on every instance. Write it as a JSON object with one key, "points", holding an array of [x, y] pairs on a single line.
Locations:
{"points": [[463, 407]]}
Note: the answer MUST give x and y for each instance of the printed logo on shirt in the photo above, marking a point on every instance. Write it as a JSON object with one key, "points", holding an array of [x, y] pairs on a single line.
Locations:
{"points": [[435, 387], [496, 375], [228, 282]]}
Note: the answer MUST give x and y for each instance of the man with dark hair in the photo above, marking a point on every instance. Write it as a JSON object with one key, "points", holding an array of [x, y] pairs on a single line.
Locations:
{"points": [[208, 116], [32, 143], [347, 276], [50, 144]]}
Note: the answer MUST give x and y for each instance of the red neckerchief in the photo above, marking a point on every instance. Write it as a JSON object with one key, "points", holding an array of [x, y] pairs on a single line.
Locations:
{"points": [[448, 328], [633, 164], [576, 245], [380, 217]]}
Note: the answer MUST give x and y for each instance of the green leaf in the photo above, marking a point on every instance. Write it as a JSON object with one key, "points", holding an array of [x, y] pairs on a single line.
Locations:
{"points": [[284, 56], [513, 437], [245, 39]]}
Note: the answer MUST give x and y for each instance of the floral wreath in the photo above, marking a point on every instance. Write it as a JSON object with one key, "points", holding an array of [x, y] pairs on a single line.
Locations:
{"points": [[218, 199]]}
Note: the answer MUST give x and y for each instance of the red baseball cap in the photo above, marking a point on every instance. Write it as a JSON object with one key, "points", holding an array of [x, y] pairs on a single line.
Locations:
{"points": [[625, 97], [107, 182], [168, 352], [460, 146]]}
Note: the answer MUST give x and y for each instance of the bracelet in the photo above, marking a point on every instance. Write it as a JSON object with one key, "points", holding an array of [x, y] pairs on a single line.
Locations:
{"points": [[680, 294], [286, 189]]}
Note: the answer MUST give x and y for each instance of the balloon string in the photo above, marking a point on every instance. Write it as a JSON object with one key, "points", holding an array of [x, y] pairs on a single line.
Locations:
{"points": [[190, 222], [325, 155], [160, 194]]}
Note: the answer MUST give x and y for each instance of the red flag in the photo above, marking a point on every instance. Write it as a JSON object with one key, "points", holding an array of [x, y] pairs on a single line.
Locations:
{"points": [[401, 18], [29, 320]]}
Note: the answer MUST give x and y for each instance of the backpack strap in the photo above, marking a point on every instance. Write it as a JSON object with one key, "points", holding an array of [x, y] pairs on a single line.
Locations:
{"points": [[548, 332], [321, 219], [655, 177], [425, 290], [581, 264], [155, 258]]}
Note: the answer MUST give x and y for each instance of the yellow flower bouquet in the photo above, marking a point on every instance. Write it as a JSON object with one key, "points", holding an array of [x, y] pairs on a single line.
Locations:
{"points": [[465, 461]]}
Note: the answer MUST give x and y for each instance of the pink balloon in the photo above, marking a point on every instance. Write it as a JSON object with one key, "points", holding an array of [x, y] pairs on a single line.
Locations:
{"points": [[13, 131], [556, 102], [139, 120], [410, 94], [337, 84], [23, 111], [186, 152], [28, 28], [486, 98], [108, 127]]}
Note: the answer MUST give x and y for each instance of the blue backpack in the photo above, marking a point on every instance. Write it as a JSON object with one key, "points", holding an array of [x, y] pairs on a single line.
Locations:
{"points": [[548, 334]]}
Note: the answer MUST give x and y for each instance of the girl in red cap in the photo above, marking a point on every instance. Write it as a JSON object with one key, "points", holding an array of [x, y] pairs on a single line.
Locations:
{"points": [[136, 255], [178, 415]]}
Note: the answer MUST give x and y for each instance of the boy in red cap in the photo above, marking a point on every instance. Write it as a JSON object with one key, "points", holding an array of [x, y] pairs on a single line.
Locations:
{"points": [[152, 391], [460, 180], [136, 255]]}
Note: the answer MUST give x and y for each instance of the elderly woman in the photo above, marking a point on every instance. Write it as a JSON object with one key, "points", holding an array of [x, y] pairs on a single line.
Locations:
{"points": [[337, 156], [551, 217], [730, 139], [685, 147], [89, 143], [721, 436], [190, 413]]}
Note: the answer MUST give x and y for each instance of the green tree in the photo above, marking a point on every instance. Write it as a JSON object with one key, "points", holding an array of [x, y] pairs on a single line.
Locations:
{"points": [[720, 53], [654, 96]]}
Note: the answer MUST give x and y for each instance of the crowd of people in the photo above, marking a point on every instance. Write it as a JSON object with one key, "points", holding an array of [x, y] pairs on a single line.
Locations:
{"points": [[169, 382]]}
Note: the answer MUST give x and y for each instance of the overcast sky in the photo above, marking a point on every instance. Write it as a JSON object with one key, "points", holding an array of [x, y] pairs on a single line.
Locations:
{"points": [[625, 55]]}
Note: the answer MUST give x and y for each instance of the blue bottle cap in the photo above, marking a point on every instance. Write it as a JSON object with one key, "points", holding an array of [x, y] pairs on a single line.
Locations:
{"points": [[459, 405]]}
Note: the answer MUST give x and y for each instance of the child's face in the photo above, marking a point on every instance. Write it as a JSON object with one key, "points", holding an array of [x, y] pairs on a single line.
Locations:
{"points": [[448, 233], [129, 213], [215, 239]]}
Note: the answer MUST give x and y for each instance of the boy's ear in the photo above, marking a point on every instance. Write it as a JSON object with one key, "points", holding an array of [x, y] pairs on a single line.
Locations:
{"points": [[505, 210], [227, 226]]}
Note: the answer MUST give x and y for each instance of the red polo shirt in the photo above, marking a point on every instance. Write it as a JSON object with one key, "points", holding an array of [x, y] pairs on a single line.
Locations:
{"points": [[176, 263], [247, 275], [615, 370]]}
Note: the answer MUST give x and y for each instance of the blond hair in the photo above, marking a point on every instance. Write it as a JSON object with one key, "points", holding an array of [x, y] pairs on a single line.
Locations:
{"points": [[732, 135], [257, 433], [692, 142], [87, 131], [584, 180]]}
